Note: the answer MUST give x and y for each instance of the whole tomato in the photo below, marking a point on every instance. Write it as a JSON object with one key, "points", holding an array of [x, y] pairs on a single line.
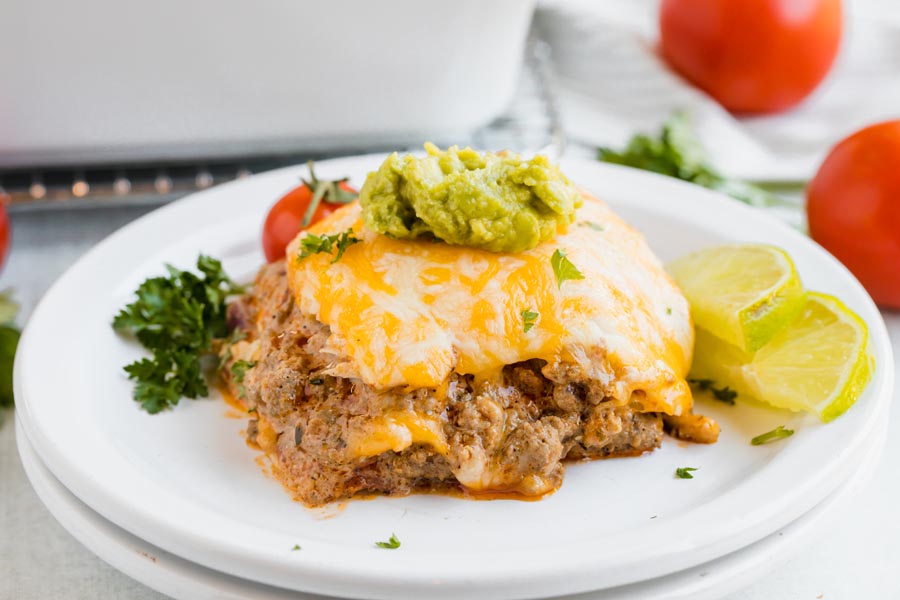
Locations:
{"points": [[307, 203], [853, 206], [752, 56]]}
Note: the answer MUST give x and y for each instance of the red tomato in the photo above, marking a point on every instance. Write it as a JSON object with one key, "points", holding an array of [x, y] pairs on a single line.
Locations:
{"points": [[4, 232], [285, 218], [753, 56], [853, 206]]}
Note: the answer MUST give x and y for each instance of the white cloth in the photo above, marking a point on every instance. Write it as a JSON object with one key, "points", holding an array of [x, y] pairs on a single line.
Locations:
{"points": [[611, 84]]}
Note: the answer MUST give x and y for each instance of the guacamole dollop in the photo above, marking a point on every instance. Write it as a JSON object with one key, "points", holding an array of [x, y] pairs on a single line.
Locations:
{"points": [[498, 202]]}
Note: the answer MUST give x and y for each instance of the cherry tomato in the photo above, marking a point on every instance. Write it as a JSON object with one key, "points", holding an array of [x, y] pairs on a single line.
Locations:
{"points": [[286, 218], [853, 206], [752, 56]]}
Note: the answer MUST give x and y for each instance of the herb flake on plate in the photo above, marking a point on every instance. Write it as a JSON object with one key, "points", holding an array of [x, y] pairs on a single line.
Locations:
{"points": [[724, 394], [685, 472], [779, 433], [392, 544]]}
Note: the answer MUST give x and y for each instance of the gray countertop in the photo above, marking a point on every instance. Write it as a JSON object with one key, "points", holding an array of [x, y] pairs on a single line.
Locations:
{"points": [[854, 555]]}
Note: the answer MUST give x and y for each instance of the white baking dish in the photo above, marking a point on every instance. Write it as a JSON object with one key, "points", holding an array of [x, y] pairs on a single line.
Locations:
{"points": [[117, 80]]}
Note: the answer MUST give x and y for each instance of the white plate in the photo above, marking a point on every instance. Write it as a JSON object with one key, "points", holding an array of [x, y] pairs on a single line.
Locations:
{"points": [[186, 482], [179, 578]]}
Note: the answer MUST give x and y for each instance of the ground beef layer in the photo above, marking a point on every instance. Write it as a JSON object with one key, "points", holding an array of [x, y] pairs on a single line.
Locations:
{"points": [[509, 434]]}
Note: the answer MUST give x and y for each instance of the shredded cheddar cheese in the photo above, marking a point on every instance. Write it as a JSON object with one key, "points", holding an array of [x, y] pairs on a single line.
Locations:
{"points": [[410, 313]]}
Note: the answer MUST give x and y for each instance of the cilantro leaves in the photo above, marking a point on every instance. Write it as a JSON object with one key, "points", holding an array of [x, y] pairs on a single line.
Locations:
{"points": [[314, 244], [392, 544], [529, 318], [176, 318], [239, 369], [563, 268], [685, 472], [779, 433], [592, 225], [725, 394], [677, 152]]}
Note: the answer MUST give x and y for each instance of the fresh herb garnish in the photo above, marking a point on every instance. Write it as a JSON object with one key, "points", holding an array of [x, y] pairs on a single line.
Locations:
{"points": [[563, 268], [296, 547], [591, 224], [236, 336], [239, 369], [529, 318], [668, 310], [677, 152], [176, 318], [392, 544], [725, 394], [9, 340], [685, 472], [329, 191], [314, 244], [779, 433]]}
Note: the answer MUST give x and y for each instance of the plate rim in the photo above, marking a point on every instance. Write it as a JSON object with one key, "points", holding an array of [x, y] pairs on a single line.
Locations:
{"points": [[322, 577]]}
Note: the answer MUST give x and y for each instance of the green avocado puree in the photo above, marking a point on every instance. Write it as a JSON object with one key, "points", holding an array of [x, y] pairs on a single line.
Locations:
{"points": [[498, 202]]}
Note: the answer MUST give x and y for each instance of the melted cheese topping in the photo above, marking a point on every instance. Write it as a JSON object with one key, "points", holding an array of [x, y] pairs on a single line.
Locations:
{"points": [[410, 313]]}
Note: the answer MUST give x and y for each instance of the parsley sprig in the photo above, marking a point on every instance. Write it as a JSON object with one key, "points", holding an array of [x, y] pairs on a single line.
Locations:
{"points": [[314, 244], [677, 152], [563, 268], [529, 318], [177, 318]]}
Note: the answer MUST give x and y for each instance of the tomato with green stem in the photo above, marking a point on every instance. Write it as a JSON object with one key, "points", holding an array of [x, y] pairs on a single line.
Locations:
{"points": [[311, 201]]}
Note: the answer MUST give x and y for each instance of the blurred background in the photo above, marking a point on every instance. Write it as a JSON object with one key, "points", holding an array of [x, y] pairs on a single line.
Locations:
{"points": [[106, 104]]}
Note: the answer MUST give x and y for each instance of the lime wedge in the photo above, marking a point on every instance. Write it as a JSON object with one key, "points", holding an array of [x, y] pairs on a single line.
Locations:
{"points": [[742, 293], [819, 363]]}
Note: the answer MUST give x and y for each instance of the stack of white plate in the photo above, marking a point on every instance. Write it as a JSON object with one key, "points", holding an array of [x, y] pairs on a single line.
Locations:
{"points": [[177, 500]]}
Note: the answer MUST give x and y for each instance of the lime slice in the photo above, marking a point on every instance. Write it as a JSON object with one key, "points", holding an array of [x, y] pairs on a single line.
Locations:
{"points": [[743, 293], [819, 363]]}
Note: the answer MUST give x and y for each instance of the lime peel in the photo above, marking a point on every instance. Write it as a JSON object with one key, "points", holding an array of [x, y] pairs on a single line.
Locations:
{"points": [[818, 363]]}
